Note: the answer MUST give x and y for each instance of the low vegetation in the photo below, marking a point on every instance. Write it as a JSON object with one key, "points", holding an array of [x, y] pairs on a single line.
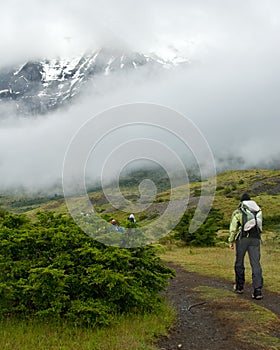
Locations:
{"points": [[205, 235], [219, 261], [49, 268], [71, 289], [127, 332]]}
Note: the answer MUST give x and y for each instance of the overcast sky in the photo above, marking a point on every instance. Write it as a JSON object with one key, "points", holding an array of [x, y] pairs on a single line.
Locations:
{"points": [[43, 28], [230, 89]]}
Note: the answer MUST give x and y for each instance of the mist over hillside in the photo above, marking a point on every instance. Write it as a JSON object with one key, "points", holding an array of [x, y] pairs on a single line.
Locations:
{"points": [[218, 66]]}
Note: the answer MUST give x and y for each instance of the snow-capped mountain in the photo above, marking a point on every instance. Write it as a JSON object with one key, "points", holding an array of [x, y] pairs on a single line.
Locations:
{"points": [[38, 87]]}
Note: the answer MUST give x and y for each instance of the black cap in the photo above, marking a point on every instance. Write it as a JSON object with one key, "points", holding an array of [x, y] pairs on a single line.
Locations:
{"points": [[245, 197]]}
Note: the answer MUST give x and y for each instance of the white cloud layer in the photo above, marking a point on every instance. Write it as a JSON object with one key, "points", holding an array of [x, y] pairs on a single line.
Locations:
{"points": [[40, 28], [230, 90]]}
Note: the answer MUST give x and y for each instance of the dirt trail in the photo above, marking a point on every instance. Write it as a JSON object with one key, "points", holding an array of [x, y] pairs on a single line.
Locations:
{"points": [[196, 326]]}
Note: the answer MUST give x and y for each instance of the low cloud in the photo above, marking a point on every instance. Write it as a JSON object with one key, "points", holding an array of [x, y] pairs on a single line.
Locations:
{"points": [[229, 89]]}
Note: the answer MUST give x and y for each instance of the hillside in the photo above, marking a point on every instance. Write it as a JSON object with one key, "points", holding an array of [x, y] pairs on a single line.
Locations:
{"points": [[263, 185], [207, 312]]}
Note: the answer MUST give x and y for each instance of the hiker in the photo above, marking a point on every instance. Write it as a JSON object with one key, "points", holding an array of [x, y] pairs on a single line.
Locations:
{"points": [[113, 222], [245, 231], [131, 218], [115, 226]]}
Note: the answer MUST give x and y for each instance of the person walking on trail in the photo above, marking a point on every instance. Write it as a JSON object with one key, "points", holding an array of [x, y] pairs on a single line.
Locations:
{"points": [[245, 233]]}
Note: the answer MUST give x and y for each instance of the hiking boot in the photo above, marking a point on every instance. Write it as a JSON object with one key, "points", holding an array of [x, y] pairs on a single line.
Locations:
{"points": [[257, 294], [238, 290]]}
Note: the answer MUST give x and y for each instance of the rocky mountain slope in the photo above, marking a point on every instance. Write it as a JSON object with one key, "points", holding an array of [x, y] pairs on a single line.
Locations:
{"points": [[37, 87]]}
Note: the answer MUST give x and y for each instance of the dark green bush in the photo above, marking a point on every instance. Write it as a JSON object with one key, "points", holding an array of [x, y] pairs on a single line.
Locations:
{"points": [[270, 222], [205, 235], [50, 268]]}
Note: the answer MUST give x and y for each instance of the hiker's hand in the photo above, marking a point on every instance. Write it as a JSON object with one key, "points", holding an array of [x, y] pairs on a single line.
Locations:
{"points": [[231, 245]]}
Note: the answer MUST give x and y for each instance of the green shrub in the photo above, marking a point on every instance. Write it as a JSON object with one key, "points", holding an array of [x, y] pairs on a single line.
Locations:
{"points": [[205, 235], [49, 268], [271, 222]]}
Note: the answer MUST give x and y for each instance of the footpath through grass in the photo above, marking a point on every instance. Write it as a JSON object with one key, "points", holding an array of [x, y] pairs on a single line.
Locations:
{"points": [[251, 323], [129, 333]]}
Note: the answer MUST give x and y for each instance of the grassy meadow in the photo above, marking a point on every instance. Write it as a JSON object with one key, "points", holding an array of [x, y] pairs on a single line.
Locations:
{"points": [[136, 332], [219, 262]]}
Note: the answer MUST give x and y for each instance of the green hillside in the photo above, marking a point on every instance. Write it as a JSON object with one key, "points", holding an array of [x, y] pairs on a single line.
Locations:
{"points": [[263, 186]]}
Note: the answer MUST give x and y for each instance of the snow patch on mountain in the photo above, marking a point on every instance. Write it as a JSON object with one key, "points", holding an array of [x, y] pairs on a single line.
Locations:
{"points": [[38, 87]]}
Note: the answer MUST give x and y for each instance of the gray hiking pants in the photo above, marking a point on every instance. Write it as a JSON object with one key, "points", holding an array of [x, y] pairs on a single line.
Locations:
{"points": [[252, 246]]}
